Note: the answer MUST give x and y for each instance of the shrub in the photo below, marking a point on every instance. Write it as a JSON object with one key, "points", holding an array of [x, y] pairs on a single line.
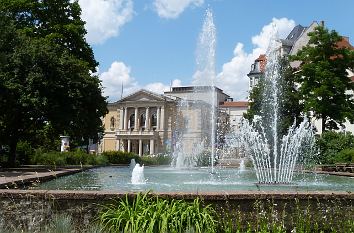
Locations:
{"points": [[120, 157], [159, 159], [153, 214], [330, 143], [78, 157], [344, 156]]}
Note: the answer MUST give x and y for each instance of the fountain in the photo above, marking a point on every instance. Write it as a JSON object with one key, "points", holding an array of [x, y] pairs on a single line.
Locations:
{"points": [[274, 159], [204, 99], [138, 175], [132, 164], [242, 166]]}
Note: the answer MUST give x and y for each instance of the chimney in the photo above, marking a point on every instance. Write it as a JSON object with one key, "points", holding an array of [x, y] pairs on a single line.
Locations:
{"points": [[322, 23]]}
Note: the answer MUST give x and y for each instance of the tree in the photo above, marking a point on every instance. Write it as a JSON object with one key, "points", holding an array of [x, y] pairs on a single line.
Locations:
{"points": [[46, 80], [323, 78]]}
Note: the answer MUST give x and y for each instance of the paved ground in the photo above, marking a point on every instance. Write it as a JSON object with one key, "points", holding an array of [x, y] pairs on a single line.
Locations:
{"points": [[10, 178]]}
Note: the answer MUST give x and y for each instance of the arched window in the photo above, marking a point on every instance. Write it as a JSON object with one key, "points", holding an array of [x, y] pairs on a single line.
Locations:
{"points": [[142, 120], [113, 123], [154, 120], [132, 121]]}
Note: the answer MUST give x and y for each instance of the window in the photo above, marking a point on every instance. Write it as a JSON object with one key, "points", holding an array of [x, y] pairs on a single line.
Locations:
{"points": [[142, 120], [154, 120], [132, 121]]}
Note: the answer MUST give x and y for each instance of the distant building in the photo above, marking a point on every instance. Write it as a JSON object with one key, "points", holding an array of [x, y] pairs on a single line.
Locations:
{"points": [[257, 71], [294, 42], [235, 111], [148, 123]]}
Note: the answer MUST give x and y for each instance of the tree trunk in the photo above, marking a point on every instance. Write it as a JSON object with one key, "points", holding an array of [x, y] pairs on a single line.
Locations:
{"points": [[12, 156], [323, 128]]}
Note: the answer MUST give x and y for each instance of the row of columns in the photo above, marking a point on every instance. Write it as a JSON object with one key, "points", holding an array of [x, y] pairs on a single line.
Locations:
{"points": [[129, 146], [160, 115]]}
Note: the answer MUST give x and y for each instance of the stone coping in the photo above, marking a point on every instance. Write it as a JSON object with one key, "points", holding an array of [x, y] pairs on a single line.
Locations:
{"points": [[209, 196]]}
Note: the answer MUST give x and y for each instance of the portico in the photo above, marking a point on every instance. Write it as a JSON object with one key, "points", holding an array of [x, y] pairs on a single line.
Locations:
{"points": [[143, 125]]}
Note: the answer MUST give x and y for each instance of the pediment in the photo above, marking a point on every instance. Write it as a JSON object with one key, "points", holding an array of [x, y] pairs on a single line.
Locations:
{"points": [[143, 95]]}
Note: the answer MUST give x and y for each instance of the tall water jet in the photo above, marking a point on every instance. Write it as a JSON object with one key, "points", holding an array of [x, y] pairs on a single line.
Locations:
{"points": [[274, 158], [205, 74]]}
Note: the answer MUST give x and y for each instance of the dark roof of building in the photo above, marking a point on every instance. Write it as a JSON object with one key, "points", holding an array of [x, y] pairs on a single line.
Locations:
{"points": [[293, 36], [295, 33]]}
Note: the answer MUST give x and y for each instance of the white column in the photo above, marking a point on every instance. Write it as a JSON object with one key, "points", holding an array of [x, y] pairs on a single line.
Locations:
{"points": [[121, 116], [158, 118], [162, 118], [140, 147], [152, 145], [125, 118], [118, 144], [129, 145], [147, 119], [136, 126], [123, 146]]}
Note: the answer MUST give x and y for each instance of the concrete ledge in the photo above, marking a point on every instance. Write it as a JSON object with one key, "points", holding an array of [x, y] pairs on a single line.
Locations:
{"points": [[217, 196]]}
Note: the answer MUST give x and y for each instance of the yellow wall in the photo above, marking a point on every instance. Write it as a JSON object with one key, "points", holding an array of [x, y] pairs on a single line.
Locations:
{"points": [[109, 144]]}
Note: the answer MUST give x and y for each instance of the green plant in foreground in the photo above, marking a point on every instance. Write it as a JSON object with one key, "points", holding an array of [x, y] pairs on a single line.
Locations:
{"points": [[154, 214]]}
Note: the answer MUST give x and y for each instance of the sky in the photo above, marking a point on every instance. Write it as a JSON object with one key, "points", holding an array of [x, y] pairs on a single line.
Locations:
{"points": [[151, 44]]}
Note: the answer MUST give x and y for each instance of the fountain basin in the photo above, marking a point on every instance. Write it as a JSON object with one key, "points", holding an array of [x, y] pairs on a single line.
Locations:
{"points": [[167, 179]]}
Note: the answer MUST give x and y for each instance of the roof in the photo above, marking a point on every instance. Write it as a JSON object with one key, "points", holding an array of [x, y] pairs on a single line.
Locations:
{"points": [[295, 33], [352, 78], [344, 43], [234, 104], [186, 89], [146, 92]]}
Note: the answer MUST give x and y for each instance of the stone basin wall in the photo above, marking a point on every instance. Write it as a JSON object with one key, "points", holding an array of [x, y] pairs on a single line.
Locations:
{"points": [[33, 208]]}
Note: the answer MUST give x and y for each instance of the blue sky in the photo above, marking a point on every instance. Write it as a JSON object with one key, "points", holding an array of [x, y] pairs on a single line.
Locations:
{"points": [[149, 44]]}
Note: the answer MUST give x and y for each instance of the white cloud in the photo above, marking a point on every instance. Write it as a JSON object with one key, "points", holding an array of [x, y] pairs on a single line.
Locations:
{"points": [[104, 18], [233, 77], [171, 9], [159, 87], [119, 74], [113, 79]]}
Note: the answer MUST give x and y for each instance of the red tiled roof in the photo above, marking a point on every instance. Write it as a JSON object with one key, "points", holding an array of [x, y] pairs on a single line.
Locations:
{"points": [[344, 43], [235, 104]]}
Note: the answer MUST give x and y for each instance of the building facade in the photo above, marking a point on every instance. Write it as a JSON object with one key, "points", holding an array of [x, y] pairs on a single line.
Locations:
{"points": [[141, 123], [148, 123], [294, 42]]}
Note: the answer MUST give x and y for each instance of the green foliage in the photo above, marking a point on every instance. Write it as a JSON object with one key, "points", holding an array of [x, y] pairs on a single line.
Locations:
{"points": [[203, 159], [159, 159], [344, 156], [46, 75], [67, 158], [331, 143], [120, 157], [323, 78], [154, 214]]}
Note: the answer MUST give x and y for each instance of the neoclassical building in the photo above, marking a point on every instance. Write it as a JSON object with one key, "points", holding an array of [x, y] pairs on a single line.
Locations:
{"points": [[140, 123], [148, 123]]}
